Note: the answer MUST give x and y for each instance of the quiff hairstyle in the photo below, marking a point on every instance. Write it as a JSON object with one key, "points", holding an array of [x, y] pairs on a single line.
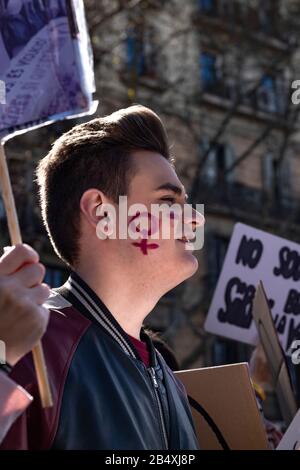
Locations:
{"points": [[95, 154]]}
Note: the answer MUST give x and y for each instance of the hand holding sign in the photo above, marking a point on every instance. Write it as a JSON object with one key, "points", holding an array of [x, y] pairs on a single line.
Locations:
{"points": [[15, 236], [46, 70]]}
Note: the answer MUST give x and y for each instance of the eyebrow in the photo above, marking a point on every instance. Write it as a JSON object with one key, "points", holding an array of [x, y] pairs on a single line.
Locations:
{"points": [[172, 187]]}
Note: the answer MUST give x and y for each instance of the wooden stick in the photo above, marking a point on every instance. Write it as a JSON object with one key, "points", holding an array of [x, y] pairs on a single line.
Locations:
{"points": [[15, 236]]}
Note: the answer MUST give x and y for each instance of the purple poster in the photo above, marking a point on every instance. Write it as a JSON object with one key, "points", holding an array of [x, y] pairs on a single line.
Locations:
{"points": [[46, 69]]}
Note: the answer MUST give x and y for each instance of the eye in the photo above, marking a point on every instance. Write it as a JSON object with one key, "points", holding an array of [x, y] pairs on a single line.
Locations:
{"points": [[168, 199]]}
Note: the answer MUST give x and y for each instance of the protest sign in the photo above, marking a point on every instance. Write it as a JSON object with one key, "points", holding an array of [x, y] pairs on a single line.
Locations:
{"points": [[46, 70], [224, 408], [291, 438], [274, 354], [254, 255]]}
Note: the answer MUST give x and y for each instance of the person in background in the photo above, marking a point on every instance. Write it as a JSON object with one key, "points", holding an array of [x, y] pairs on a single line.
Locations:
{"points": [[261, 377], [23, 321]]}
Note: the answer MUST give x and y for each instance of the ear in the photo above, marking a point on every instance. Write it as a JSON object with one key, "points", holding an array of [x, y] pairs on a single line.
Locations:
{"points": [[89, 203]]}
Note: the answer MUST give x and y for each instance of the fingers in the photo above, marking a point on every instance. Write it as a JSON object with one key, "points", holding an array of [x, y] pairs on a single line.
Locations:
{"points": [[13, 259], [30, 275], [39, 294], [34, 323], [23, 318], [23, 334], [42, 320]]}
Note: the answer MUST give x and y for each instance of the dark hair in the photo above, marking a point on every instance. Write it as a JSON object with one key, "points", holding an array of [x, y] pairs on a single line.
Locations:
{"points": [[95, 154]]}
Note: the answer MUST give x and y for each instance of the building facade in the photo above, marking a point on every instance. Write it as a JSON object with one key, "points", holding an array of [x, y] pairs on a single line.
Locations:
{"points": [[219, 73]]}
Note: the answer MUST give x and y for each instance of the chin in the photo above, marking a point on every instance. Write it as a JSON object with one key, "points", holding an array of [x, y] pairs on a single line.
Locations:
{"points": [[187, 266], [191, 263], [183, 269]]}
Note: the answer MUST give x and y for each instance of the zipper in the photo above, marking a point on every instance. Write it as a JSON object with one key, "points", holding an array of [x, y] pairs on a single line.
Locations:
{"points": [[160, 412], [87, 303]]}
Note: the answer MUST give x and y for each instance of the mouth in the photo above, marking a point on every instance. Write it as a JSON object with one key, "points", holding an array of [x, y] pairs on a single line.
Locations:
{"points": [[184, 240]]}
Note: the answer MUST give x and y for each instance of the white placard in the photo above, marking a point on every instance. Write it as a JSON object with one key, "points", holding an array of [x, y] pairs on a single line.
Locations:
{"points": [[291, 438], [46, 70], [254, 255]]}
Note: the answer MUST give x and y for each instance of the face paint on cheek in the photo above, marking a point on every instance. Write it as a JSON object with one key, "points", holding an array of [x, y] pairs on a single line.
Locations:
{"points": [[143, 244], [134, 217]]}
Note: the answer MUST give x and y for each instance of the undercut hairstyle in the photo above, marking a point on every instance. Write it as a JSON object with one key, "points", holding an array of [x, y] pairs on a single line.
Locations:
{"points": [[95, 154]]}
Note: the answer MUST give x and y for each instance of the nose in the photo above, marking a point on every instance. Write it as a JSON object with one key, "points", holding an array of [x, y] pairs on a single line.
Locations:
{"points": [[198, 219], [192, 219]]}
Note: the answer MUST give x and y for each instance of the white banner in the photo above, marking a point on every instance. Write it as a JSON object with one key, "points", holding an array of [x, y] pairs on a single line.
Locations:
{"points": [[46, 70], [291, 438], [254, 255]]}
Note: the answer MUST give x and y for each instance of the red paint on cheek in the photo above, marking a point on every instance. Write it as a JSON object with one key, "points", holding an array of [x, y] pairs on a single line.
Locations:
{"points": [[144, 246], [173, 216], [134, 217]]}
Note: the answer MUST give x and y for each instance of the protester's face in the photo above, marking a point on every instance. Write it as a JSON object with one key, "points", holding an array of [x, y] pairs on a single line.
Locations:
{"points": [[157, 259]]}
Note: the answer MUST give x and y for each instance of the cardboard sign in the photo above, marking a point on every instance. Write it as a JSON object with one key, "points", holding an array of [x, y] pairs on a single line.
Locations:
{"points": [[46, 68], [291, 438], [227, 400], [274, 354], [254, 255]]}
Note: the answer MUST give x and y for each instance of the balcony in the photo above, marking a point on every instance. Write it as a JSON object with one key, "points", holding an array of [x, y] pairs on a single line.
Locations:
{"points": [[250, 205], [269, 102], [261, 25]]}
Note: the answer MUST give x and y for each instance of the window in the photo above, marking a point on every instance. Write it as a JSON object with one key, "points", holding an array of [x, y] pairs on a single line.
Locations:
{"points": [[219, 159], [267, 14], [221, 245], [208, 70], [135, 52], [215, 248], [140, 51], [269, 173], [266, 94], [276, 177], [206, 6]]}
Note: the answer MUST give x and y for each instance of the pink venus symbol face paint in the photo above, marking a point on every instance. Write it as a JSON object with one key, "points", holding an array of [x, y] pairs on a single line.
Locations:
{"points": [[145, 233]]}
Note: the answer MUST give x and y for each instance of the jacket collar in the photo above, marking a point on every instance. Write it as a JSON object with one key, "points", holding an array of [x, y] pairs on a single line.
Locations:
{"points": [[76, 291]]}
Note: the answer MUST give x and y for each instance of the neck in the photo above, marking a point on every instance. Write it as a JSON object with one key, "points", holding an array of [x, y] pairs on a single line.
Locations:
{"points": [[129, 302]]}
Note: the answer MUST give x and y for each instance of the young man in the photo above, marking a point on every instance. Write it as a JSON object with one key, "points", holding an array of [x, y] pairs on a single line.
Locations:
{"points": [[23, 320], [111, 388]]}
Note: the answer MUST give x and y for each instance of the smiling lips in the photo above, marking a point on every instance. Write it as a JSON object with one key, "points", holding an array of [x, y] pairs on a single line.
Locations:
{"points": [[184, 240]]}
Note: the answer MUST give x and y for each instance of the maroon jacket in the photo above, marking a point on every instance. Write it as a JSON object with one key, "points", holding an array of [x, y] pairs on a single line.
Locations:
{"points": [[104, 396]]}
